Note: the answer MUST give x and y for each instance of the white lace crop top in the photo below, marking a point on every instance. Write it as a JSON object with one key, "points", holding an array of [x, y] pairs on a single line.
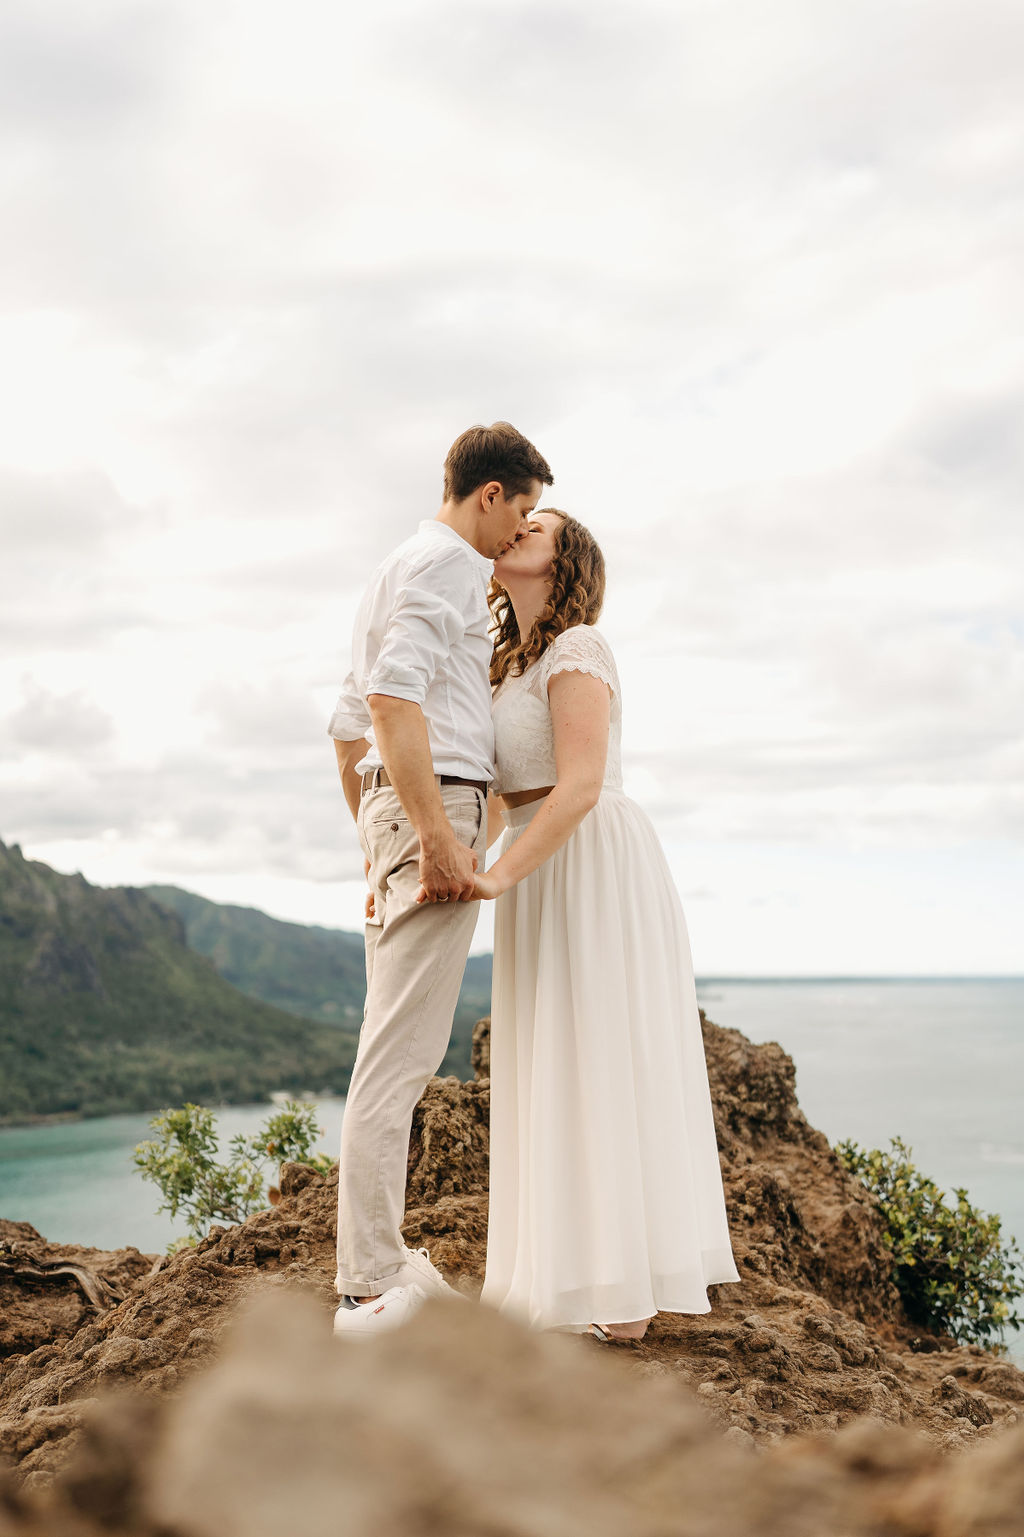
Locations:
{"points": [[524, 747]]}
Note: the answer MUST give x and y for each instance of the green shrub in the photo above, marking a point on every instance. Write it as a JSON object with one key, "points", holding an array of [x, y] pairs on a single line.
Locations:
{"points": [[954, 1271], [183, 1162]]}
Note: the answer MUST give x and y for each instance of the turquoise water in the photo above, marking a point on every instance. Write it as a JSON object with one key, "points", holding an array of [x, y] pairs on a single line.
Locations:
{"points": [[76, 1183], [939, 1063]]}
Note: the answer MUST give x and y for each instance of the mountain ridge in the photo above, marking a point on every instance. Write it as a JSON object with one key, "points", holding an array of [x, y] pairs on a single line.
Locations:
{"points": [[309, 970], [104, 1007]]}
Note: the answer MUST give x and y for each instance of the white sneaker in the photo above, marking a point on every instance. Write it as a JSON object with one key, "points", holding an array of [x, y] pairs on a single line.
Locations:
{"points": [[358, 1320], [418, 1271]]}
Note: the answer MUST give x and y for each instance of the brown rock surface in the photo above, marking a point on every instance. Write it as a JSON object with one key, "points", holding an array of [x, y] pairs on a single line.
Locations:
{"points": [[49, 1290], [463, 1424], [812, 1339]]}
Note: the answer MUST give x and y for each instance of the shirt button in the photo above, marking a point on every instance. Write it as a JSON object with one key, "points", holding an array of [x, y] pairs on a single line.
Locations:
{"points": [[394, 827]]}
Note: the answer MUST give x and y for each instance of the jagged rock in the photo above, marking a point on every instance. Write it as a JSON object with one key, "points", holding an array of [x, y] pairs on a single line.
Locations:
{"points": [[811, 1340], [481, 1052], [49, 1290], [449, 1144], [960, 1404]]}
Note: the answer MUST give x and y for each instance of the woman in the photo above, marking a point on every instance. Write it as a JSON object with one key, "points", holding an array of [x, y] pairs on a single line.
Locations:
{"points": [[606, 1194]]}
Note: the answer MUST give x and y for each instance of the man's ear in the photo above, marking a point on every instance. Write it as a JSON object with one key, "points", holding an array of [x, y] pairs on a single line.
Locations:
{"points": [[489, 493]]}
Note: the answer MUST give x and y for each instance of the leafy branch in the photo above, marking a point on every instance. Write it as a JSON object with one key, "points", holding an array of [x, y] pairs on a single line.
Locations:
{"points": [[182, 1160], [955, 1272]]}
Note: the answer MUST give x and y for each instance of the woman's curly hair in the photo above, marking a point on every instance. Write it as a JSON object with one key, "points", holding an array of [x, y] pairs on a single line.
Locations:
{"points": [[576, 597]]}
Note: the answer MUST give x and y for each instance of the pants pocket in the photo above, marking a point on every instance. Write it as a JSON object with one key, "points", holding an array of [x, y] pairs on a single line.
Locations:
{"points": [[465, 811]]}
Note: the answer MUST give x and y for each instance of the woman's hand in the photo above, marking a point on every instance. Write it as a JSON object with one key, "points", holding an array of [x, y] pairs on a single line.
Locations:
{"points": [[486, 887]]}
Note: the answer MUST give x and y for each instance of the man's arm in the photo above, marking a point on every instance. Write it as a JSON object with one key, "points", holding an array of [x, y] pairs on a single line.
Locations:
{"points": [[348, 755], [347, 727], [400, 730]]}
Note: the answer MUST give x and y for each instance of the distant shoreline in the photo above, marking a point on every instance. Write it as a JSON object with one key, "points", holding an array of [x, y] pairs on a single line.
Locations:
{"points": [[74, 1117], [54, 1118], [959, 976]]}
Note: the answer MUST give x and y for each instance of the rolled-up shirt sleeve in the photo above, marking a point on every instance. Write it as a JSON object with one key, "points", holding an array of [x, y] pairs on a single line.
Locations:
{"points": [[422, 628], [351, 718]]}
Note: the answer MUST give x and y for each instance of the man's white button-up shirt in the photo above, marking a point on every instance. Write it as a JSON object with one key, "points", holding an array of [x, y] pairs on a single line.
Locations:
{"points": [[422, 633]]}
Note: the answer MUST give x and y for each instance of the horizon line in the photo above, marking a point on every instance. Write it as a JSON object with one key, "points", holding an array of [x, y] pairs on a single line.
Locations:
{"points": [[873, 976]]}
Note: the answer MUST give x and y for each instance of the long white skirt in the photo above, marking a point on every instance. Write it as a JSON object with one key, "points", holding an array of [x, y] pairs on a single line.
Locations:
{"points": [[606, 1200]]}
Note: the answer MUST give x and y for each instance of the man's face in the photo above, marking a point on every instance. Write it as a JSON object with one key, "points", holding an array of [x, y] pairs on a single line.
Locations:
{"points": [[508, 519], [534, 554]]}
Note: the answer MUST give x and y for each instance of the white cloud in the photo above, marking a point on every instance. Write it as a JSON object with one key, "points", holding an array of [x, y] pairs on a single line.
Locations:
{"points": [[54, 722], [749, 278]]}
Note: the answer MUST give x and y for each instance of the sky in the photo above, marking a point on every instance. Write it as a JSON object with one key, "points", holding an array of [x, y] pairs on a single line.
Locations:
{"points": [[750, 278]]}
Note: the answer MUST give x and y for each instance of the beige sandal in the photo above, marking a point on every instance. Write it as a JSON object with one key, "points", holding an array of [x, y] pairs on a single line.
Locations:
{"points": [[603, 1333]]}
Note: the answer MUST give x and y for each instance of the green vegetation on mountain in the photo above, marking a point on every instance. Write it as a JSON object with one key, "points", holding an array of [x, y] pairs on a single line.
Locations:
{"points": [[314, 972], [104, 1007]]}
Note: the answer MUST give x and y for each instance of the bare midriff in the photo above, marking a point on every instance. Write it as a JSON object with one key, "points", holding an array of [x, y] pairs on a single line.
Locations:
{"points": [[524, 797]]}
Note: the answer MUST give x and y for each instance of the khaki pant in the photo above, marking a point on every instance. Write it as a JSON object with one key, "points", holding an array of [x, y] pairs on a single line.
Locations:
{"points": [[415, 959]]}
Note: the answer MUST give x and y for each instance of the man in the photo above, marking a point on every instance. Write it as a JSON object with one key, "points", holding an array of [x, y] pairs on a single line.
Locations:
{"points": [[413, 738]]}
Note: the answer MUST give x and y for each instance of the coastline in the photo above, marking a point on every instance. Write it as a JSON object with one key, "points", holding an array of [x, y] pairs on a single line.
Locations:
{"points": [[812, 1339], [934, 1064], [803, 981]]}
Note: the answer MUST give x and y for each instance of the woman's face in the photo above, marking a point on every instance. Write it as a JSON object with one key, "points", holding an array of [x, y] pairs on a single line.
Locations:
{"points": [[533, 553]]}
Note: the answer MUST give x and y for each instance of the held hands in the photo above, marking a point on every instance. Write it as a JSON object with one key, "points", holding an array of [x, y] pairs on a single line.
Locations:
{"points": [[485, 888], [447, 872]]}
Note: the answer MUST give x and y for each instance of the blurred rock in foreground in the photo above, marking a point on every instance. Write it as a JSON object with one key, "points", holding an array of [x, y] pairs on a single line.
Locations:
{"points": [[463, 1424], [812, 1340]]}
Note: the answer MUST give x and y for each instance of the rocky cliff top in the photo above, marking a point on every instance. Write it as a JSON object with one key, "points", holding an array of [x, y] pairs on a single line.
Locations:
{"points": [[812, 1341]]}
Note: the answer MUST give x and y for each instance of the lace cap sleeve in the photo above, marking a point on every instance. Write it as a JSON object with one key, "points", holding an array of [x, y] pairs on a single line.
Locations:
{"points": [[582, 649]]}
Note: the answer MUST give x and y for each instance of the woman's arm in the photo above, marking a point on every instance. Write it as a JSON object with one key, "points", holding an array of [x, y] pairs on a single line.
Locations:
{"points": [[495, 824], [580, 715]]}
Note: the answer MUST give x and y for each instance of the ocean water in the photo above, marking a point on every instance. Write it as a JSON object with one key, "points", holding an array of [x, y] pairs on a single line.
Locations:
{"points": [[76, 1183], [939, 1063]]}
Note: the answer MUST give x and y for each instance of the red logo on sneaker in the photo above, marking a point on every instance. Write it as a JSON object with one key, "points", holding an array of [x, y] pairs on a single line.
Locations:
{"points": [[378, 1310]]}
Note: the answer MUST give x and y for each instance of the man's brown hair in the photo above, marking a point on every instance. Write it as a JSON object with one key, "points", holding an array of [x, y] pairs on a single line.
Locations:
{"points": [[498, 453]]}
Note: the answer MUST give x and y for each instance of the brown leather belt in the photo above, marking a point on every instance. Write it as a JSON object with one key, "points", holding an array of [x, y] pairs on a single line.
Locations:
{"points": [[381, 777]]}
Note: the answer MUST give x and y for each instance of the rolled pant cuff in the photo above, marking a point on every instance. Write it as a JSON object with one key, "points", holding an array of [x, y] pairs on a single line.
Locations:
{"points": [[365, 1288]]}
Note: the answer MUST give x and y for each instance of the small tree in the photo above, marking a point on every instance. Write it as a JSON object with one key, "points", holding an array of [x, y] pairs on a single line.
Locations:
{"points": [[953, 1269], [182, 1162]]}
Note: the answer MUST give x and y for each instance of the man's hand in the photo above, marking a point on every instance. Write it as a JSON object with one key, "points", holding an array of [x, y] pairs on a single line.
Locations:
{"points": [[447, 870]]}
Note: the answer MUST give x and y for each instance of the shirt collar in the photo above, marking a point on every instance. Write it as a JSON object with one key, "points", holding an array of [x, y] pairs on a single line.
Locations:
{"points": [[433, 526]]}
